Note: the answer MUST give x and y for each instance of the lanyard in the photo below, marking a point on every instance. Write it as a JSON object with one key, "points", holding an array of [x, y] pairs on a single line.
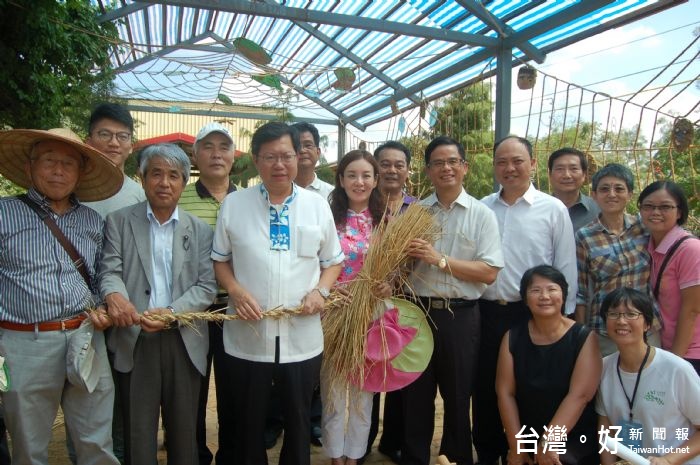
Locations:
{"points": [[636, 383]]}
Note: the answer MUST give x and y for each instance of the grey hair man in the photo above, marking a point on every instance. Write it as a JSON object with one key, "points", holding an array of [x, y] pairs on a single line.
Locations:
{"points": [[213, 152], [156, 261]]}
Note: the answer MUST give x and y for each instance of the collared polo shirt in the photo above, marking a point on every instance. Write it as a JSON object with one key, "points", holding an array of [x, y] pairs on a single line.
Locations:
{"points": [[276, 278], [469, 231], [197, 199], [535, 230]]}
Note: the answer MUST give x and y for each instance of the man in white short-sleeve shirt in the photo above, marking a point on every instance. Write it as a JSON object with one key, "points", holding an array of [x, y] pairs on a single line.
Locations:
{"points": [[275, 246]]}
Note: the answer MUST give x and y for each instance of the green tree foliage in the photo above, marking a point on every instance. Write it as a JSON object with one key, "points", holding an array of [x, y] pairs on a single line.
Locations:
{"points": [[54, 62], [8, 188]]}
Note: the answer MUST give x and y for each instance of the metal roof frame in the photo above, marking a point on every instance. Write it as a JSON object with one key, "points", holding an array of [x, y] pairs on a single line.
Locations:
{"points": [[403, 52]]}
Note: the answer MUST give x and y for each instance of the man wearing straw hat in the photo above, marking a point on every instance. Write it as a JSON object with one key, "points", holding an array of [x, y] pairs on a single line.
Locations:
{"points": [[156, 261], [448, 280], [275, 246], [53, 352]]}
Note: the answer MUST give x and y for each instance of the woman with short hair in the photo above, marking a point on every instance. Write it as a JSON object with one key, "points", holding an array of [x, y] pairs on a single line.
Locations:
{"points": [[652, 395], [548, 373]]}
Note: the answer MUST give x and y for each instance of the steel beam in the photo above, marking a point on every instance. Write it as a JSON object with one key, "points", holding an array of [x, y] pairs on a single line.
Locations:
{"points": [[320, 17]]}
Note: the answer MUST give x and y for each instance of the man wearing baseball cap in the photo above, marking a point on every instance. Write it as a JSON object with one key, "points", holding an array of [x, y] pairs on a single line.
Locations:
{"points": [[47, 282], [213, 153]]}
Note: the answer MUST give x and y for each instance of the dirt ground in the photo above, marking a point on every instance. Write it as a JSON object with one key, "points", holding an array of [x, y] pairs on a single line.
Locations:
{"points": [[58, 455]]}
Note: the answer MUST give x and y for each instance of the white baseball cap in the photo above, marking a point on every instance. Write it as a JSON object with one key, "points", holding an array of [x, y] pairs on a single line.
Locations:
{"points": [[212, 127]]}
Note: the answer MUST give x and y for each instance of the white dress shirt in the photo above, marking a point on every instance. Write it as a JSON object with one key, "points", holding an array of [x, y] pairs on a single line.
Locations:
{"points": [[276, 277], [322, 188], [535, 230], [469, 231], [161, 258]]}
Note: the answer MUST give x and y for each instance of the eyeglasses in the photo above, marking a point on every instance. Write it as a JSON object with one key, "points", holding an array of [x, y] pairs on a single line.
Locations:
{"points": [[627, 315], [105, 135], [308, 147], [451, 162], [285, 159], [649, 208], [608, 189]]}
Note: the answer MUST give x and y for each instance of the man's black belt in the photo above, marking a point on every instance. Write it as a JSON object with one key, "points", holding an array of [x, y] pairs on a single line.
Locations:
{"points": [[438, 303]]}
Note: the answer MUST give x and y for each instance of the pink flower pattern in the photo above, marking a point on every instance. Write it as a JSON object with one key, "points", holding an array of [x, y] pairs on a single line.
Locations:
{"points": [[354, 240]]}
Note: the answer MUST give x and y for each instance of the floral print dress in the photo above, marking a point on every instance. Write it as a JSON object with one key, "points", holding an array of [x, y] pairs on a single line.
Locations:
{"points": [[354, 238]]}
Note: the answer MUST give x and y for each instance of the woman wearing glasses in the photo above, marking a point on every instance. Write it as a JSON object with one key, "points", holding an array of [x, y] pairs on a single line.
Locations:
{"points": [[548, 372], [675, 270], [650, 395]]}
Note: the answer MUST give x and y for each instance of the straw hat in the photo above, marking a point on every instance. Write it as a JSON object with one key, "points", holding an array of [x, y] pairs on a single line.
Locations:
{"points": [[399, 347], [100, 180]]}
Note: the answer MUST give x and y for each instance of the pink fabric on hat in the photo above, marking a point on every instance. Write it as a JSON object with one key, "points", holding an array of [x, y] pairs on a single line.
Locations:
{"points": [[386, 338], [382, 377]]}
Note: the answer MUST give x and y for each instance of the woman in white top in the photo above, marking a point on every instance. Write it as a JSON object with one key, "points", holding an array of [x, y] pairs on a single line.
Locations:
{"points": [[651, 394]]}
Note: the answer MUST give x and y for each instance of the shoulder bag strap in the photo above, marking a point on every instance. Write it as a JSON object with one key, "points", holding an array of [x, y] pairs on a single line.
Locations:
{"points": [[60, 237], [667, 258]]}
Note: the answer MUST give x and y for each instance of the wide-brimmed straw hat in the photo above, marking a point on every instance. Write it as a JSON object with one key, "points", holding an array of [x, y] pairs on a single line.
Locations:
{"points": [[100, 179], [399, 347]]}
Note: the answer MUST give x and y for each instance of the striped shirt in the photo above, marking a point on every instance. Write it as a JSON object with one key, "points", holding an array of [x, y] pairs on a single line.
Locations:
{"points": [[38, 281], [607, 261]]}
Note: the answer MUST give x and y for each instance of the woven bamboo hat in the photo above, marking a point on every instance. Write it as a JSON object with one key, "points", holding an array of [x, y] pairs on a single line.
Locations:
{"points": [[100, 179]]}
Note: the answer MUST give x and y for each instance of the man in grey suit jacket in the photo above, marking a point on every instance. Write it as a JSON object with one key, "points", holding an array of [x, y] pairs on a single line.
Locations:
{"points": [[156, 260]]}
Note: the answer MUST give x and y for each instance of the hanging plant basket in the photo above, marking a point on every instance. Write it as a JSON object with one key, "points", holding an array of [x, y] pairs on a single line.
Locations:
{"points": [[252, 51], [527, 76], [682, 135], [271, 80], [345, 78]]}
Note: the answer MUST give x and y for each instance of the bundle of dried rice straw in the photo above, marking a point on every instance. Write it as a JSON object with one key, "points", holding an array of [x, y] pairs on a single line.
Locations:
{"points": [[346, 321]]}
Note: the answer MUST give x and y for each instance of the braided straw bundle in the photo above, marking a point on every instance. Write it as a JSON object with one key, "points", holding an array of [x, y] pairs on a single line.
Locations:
{"points": [[346, 321]]}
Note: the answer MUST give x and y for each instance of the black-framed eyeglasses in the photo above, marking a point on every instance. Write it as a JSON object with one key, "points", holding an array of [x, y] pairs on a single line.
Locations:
{"points": [[106, 135]]}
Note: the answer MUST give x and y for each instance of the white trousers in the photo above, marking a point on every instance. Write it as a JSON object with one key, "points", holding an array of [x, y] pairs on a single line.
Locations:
{"points": [[346, 418]]}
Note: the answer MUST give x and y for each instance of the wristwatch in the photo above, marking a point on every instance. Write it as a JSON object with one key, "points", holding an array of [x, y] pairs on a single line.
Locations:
{"points": [[442, 264], [325, 293]]}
